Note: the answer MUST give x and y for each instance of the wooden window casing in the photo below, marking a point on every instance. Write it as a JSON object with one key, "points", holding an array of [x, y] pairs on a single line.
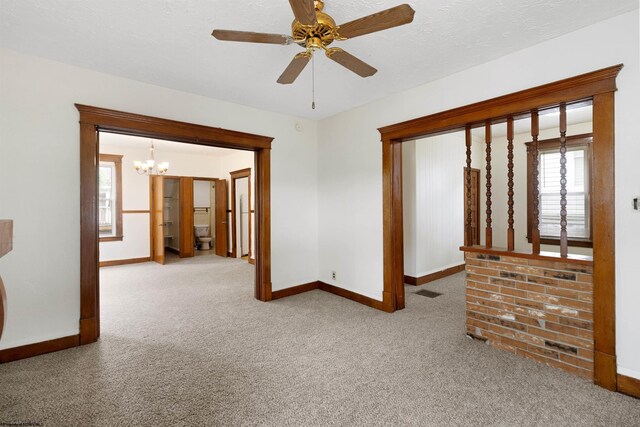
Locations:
{"points": [[116, 159], [584, 140]]}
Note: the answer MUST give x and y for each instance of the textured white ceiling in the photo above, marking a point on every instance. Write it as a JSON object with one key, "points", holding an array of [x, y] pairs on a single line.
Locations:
{"points": [[168, 43]]}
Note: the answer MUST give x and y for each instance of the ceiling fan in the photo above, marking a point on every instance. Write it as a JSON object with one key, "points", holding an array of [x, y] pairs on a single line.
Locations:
{"points": [[313, 29]]}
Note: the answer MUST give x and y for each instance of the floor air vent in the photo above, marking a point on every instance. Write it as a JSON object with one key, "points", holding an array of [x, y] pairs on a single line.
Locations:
{"points": [[428, 294]]}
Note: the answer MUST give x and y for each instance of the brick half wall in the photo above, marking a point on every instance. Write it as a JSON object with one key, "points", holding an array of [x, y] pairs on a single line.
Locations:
{"points": [[539, 309]]}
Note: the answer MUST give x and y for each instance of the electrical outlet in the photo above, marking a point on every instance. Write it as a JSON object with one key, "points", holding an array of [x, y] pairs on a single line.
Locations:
{"points": [[333, 275]]}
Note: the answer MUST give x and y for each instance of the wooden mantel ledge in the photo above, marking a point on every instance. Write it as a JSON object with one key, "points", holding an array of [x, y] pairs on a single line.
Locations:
{"points": [[544, 256], [6, 236]]}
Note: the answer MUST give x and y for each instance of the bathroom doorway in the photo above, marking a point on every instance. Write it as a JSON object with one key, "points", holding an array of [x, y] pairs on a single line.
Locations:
{"points": [[241, 214]]}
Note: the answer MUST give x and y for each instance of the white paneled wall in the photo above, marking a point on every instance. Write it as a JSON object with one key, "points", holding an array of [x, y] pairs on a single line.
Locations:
{"points": [[433, 189]]}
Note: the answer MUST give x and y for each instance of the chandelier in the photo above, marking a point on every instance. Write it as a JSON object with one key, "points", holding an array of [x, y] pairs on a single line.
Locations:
{"points": [[149, 167]]}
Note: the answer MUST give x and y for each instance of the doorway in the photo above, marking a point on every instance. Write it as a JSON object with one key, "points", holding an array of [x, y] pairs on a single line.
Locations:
{"points": [[94, 120], [241, 214]]}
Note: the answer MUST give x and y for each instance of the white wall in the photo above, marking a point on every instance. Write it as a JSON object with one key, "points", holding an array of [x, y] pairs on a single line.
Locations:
{"points": [[39, 148], [350, 159], [432, 196]]}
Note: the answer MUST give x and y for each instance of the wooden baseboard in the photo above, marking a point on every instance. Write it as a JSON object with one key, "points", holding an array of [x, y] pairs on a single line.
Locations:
{"points": [[30, 350], [283, 293], [379, 305], [629, 386], [417, 281], [124, 261]]}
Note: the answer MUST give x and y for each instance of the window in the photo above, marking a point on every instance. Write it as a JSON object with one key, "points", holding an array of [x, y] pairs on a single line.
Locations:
{"points": [[110, 197], [578, 190]]}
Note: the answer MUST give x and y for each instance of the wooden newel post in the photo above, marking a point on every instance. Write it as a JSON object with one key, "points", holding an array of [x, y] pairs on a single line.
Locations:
{"points": [[489, 231], [535, 211], [510, 193], [6, 245], [564, 246], [468, 231]]}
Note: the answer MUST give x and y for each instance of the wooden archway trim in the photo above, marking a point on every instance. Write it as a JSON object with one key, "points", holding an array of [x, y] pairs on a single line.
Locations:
{"points": [[93, 120], [599, 87]]}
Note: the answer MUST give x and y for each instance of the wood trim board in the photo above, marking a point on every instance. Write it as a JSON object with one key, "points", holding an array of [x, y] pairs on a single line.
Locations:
{"points": [[629, 386], [36, 349], [417, 281], [597, 87], [112, 263], [295, 290]]}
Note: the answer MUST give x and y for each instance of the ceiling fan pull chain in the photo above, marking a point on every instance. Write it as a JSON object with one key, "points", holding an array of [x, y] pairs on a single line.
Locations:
{"points": [[313, 82]]}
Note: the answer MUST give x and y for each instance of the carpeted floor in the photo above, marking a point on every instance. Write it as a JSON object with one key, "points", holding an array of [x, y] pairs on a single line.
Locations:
{"points": [[186, 344]]}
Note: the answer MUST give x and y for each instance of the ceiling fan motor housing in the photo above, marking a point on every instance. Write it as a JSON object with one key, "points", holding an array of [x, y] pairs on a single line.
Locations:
{"points": [[316, 36]]}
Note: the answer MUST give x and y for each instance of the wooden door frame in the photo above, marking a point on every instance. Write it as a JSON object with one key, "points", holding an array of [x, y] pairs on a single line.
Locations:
{"points": [[92, 121], [235, 175], [599, 87]]}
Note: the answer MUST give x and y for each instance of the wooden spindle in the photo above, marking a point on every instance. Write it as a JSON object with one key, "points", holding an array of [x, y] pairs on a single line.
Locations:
{"points": [[510, 231], [564, 246], [468, 230], [535, 210], [489, 232]]}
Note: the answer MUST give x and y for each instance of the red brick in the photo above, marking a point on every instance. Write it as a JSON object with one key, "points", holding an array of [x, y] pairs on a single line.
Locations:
{"points": [[576, 323], [483, 286], [513, 292], [547, 299], [503, 282], [543, 351], [570, 293], [585, 278], [542, 280], [478, 293], [477, 278], [530, 304], [578, 286], [531, 287], [482, 271], [580, 305], [585, 364], [476, 262]]}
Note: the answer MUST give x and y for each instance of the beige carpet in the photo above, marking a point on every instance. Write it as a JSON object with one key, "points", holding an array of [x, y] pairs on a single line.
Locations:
{"points": [[186, 344]]}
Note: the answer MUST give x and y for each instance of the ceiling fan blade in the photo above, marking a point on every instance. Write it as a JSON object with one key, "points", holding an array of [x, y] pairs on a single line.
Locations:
{"points": [[295, 68], [351, 62], [383, 20], [247, 36], [304, 11]]}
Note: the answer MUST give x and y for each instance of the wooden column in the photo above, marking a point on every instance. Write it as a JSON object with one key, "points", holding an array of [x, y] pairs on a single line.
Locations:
{"points": [[510, 193], [604, 251], [564, 247], [489, 231], [535, 210], [468, 231]]}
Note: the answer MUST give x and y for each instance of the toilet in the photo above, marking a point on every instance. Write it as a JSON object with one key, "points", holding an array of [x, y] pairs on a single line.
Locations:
{"points": [[203, 239]]}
